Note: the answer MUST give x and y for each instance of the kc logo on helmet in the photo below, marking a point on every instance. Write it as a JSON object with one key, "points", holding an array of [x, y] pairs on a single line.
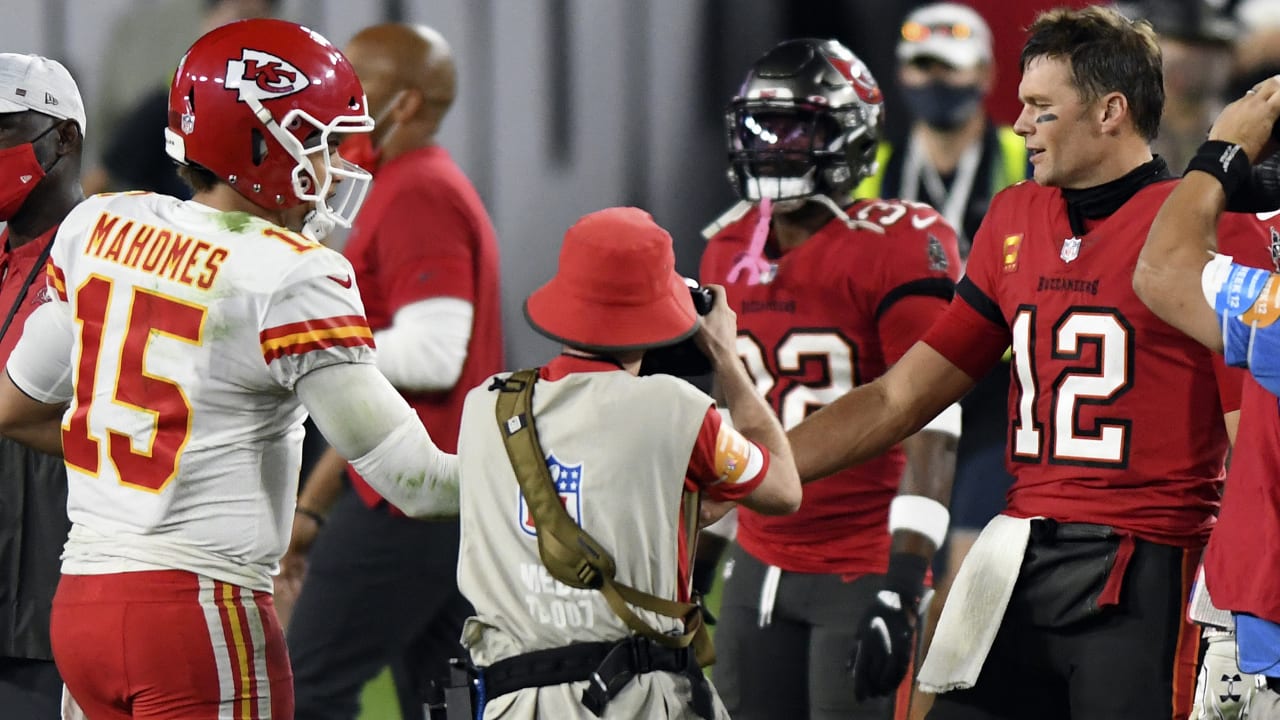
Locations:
{"points": [[263, 76]]}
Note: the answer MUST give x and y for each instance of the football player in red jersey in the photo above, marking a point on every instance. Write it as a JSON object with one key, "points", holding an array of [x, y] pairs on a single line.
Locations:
{"points": [[841, 290], [1072, 602], [1177, 267]]}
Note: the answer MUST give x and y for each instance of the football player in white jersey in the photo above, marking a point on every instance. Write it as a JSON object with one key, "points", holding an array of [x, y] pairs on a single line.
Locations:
{"points": [[190, 340]]}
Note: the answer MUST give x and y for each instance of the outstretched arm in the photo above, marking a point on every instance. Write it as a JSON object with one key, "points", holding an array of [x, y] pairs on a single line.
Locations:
{"points": [[871, 418], [369, 423]]}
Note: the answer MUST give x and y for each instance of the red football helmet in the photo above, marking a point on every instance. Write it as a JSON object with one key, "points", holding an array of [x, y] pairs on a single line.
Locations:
{"points": [[255, 102]]}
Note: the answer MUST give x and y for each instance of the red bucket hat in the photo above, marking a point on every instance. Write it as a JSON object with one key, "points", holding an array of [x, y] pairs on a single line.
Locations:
{"points": [[616, 289]]}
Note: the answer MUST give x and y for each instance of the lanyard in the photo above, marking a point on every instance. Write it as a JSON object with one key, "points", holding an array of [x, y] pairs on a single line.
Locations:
{"points": [[951, 203], [26, 286]]}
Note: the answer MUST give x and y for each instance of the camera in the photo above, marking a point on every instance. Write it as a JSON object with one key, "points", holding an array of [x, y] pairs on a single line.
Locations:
{"points": [[683, 359], [703, 298]]}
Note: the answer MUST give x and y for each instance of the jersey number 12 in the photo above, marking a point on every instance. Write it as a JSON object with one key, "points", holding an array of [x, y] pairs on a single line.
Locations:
{"points": [[1101, 382]]}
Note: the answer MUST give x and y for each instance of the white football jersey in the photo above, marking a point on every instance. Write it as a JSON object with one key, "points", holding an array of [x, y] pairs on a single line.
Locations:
{"points": [[187, 329]]}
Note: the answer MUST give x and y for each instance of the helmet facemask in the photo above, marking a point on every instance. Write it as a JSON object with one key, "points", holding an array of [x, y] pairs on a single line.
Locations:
{"points": [[337, 197], [791, 151]]}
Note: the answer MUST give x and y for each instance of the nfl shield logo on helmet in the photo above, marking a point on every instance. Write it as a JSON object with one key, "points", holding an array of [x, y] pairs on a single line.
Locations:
{"points": [[568, 481], [1070, 249]]}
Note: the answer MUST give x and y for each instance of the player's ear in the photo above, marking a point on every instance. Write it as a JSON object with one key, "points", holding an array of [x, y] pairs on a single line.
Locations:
{"points": [[69, 139], [1112, 111]]}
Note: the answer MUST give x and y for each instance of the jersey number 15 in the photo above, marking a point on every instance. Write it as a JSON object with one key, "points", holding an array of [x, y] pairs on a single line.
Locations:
{"points": [[150, 314]]}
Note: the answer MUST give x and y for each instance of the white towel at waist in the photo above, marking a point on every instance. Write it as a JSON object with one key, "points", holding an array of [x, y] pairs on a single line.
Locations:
{"points": [[975, 607]]}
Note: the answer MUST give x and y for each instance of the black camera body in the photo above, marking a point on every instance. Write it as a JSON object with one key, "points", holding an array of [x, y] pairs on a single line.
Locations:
{"points": [[683, 359], [703, 299]]}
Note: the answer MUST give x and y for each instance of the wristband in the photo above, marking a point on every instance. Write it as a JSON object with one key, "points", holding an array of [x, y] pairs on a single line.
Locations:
{"points": [[905, 576], [920, 514], [1225, 162], [311, 514]]}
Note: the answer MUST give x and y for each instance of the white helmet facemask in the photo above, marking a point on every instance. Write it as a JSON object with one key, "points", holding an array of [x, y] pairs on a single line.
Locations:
{"points": [[337, 197]]}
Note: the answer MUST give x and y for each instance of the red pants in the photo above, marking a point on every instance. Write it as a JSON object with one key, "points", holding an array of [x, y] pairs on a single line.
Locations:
{"points": [[170, 645]]}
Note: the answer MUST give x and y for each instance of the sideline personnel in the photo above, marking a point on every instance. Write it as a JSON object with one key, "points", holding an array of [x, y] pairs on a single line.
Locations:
{"points": [[628, 455]]}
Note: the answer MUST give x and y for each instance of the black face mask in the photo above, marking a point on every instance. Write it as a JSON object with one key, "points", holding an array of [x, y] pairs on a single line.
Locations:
{"points": [[942, 106]]}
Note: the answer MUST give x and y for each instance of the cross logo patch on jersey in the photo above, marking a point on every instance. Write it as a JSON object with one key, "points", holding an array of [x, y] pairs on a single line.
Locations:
{"points": [[568, 482], [1275, 248], [1070, 249]]}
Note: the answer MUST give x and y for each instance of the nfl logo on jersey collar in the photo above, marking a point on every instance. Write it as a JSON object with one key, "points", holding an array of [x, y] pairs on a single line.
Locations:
{"points": [[568, 481], [1070, 249], [769, 273]]}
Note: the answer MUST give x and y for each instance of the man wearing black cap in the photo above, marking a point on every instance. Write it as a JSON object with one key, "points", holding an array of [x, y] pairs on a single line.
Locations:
{"points": [[41, 130], [627, 454]]}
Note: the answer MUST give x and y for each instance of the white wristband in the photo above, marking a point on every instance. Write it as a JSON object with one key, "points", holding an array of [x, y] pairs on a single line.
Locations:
{"points": [[920, 514], [947, 421]]}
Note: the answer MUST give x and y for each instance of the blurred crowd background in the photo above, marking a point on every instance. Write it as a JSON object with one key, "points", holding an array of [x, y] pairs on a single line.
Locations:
{"points": [[566, 106]]}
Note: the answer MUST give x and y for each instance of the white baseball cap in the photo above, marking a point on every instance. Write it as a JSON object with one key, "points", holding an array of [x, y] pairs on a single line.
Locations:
{"points": [[32, 82], [950, 32]]}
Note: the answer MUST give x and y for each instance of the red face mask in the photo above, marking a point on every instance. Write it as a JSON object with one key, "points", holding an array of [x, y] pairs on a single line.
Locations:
{"points": [[358, 149], [20, 172]]}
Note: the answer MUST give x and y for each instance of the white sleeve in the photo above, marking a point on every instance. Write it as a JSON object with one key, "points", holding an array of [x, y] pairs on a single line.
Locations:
{"points": [[40, 365], [1214, 276], [426, 345], [314, 319], [367, 422]]}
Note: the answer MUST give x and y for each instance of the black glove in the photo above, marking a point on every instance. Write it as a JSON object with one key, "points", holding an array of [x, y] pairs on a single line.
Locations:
{"points": [[886, 633]]}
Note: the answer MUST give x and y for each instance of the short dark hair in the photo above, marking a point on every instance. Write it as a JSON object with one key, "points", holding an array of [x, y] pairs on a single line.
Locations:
{"points": [[1107, 53], [197, 177]]}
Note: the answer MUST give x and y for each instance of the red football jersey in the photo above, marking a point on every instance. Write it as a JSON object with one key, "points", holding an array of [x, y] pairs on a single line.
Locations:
{"points": [[1115, 416], [1247, 537], [835, 312]]}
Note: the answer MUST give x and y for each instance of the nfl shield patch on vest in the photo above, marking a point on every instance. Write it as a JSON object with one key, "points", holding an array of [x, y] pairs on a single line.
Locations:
{"points": [[568, 482]]}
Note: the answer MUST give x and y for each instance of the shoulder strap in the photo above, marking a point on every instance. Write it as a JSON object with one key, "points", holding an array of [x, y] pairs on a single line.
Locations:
{"points": [[569, 553]]}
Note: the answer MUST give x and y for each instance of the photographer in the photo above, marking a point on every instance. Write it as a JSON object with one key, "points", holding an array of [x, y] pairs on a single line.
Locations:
{"points": [[629, 457]]}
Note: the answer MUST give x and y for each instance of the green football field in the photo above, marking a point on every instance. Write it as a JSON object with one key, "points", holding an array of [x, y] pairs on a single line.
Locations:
{"points": [[378, 702]]}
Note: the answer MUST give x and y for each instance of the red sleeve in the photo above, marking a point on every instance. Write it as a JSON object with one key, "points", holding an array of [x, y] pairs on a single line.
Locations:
{"points": [[906, 322], [705, 462], [917, 273], [1229, 382], [967, 338], [427, 250], [973, 334]]}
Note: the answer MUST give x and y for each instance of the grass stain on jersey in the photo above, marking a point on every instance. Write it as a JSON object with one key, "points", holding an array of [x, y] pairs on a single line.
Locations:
{"points": [[235, 221]]}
